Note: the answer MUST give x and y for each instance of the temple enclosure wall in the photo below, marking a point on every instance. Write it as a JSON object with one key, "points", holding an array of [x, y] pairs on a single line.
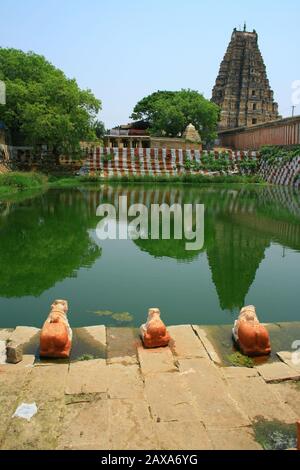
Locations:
{"points": [[141, 161], [279, 132]]}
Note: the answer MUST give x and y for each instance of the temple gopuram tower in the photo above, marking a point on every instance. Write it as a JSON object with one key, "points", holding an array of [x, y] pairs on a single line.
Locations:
{"points": [[242, 88]]}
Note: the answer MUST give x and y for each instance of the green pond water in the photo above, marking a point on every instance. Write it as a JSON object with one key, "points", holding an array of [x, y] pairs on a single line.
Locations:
{"points": [[251, 255]]}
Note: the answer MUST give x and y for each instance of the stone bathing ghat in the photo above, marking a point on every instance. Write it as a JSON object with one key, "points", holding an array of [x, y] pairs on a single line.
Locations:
{"points": [[180, 396], [251, 337]]}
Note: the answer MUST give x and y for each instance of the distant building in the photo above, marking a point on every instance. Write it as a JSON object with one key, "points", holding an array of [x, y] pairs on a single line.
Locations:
{"points": [[136, 135], [131, 135], [242, 88]]}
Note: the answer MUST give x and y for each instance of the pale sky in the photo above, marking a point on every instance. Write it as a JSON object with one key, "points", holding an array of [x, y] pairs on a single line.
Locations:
{"points": [[125, 50]]}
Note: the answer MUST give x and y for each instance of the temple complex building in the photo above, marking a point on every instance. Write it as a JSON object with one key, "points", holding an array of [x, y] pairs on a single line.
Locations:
{"points": [[242, 88], [136, 135]]}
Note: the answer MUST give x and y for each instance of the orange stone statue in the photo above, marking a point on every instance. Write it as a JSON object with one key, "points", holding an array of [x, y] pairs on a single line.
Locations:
{"points": [[251, 336], [154, 333], [56, 335]]}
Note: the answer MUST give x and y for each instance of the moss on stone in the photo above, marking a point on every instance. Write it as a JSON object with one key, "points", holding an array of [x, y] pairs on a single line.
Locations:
{"points": [[274, 435], [239, 360], [86, 357]]}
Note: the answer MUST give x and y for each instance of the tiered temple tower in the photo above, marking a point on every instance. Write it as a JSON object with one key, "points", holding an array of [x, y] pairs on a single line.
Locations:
{"points": [[242, 88]]}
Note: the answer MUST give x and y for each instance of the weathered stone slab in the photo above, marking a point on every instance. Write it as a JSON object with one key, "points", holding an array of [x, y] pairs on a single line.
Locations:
{"points": [[169, 398], [157, 360], [45, 384], [185, 343], [288, 358], [289, 393], [121, 342], [255, 397], [11, 385], [16, 341], [5, 334], [98, 333], [41, 433], [203, 367], [233, 439], [87, 377], [239, 372], [45, 387], [190, 435], [211, 351], [123, 360], [26, 363], [211, 393], [85, 426], [131, 426], [23, 334], [125, 382], [277, 372]]}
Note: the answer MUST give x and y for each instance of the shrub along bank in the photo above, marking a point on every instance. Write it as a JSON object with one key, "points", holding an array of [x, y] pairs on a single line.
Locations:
{"points": [[15, 182]]}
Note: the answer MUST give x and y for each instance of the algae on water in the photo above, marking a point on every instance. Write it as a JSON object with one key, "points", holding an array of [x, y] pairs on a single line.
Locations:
{"points": [[117, 316]]}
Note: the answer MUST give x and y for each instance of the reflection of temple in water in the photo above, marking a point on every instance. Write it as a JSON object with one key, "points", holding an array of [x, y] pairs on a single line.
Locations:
{"points": [[239, 225], [234, 259], [49, 234]]}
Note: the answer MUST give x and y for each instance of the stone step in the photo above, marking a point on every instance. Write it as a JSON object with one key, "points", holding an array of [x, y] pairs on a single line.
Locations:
{"points": [[277, 372], [211, 393], [257, 400], [153, 361], [16, 341], [185, 343]]}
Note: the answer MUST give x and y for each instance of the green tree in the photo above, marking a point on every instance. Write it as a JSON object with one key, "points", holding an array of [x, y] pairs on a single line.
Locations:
{"points": [[169, 112], [43, 106], [100, 130]]}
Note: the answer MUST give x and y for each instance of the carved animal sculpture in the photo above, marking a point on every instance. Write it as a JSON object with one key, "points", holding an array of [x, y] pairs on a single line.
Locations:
{"points": [[56, 335], [251, 336], [154, 333]]}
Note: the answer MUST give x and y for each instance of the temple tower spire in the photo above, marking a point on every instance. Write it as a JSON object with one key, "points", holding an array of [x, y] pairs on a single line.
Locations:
{"points": [[242, 88]]}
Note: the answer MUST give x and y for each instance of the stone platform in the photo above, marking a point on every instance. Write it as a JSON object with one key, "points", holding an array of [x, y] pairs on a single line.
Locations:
{"points": [[180, 397]]}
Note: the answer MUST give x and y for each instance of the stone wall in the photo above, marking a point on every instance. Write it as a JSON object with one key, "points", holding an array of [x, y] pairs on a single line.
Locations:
{"points": [[120, 162], [287, 174], [178, 144]]}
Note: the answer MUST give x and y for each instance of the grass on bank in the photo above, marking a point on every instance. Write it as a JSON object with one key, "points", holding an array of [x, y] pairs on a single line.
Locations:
{"points": [[181, 179], [15, 182]]}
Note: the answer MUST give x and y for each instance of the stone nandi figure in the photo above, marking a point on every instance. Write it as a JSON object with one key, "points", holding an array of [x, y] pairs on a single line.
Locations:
{"points": [[251, 336], [154, 333], [56, 335]]}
